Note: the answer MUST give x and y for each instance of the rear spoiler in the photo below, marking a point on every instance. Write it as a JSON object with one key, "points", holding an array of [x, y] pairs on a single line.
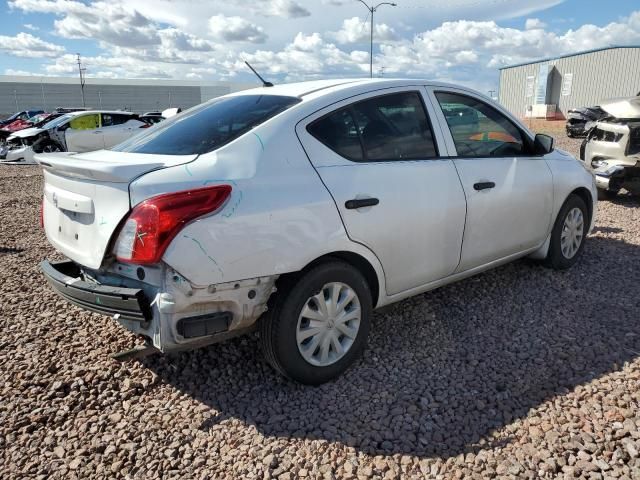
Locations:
{"points": [[68, 164]]}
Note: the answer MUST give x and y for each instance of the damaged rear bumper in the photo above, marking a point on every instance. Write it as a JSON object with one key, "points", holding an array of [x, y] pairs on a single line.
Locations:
{"points": [[126, 303], [169, 311]]}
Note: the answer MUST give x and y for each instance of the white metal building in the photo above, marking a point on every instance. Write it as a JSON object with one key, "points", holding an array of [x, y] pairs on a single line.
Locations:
{"points": [[47, 93], [550, 87]]}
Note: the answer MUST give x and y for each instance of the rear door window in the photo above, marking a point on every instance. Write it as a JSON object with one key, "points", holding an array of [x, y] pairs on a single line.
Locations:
{"points": [[338, 131], [207, 127], [385, 128]]}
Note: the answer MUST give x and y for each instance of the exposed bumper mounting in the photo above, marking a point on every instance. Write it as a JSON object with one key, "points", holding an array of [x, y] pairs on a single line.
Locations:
{"points": [[129, 303]]}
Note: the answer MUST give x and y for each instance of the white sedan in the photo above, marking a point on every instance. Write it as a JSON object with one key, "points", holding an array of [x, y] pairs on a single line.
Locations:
{"points": [[80, 131], [298, 209]]}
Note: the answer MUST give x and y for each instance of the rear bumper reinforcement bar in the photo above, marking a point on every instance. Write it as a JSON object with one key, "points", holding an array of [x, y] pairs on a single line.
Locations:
{"points": [[128, 303]]}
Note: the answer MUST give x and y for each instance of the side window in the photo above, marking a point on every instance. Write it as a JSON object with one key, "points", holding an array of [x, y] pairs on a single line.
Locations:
{"points": [[338, 132], [107, 120], [389, 127], [85, 122], [119, 118], [479, 130], [395, 127]]}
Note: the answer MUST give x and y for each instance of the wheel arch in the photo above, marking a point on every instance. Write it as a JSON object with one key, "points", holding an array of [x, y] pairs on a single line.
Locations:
{"points": [[354, 259], [585, 195]]}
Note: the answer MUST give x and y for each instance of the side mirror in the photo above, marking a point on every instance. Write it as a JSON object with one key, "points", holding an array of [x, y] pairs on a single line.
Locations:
{"points": [[542, 144]]}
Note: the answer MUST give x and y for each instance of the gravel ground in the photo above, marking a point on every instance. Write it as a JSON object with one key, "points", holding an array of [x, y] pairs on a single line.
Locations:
{"points": [[520, 372]]}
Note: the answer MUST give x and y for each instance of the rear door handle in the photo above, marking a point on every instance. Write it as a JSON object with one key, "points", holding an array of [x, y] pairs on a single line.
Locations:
{"points": [[483, 185], [361, 202]]}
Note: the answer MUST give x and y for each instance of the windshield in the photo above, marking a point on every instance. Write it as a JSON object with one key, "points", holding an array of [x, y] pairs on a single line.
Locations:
{"points": [[58, 121], [206, 127], [13, 117]]}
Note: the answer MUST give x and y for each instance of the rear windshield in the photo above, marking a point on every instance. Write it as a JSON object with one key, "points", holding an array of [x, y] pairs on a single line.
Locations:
{"points": [[207, 127]]}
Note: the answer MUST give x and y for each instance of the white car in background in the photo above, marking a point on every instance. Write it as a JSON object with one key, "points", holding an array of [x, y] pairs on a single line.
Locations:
{"points": [[81, 131], [300, 208]]}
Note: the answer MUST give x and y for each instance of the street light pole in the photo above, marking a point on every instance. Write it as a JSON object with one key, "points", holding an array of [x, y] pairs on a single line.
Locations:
{"points": [[372, 11], [81, 71]]}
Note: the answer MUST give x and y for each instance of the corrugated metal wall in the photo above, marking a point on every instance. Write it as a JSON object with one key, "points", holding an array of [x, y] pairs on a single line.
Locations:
{"points": [[134, 97], [596, 76]]}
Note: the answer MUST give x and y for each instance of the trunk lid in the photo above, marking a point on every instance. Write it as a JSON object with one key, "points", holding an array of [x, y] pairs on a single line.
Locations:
{"points": [[86, 196]]}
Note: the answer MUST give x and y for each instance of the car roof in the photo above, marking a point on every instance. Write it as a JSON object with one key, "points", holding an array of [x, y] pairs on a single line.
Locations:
{"points": [[317, 88], [85, 112]]}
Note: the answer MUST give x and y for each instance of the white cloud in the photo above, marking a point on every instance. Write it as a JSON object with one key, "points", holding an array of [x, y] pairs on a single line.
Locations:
{"points": [[356, 30], [235, 29], [210, 38], [31, 27], [280, 8], [24, 73], [26, 45], [534, 23]]}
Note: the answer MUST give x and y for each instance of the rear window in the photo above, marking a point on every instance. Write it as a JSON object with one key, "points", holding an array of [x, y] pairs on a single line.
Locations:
{"points": [[207, 127]]}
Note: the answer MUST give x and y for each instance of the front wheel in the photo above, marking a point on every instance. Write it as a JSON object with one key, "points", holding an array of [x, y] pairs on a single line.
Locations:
{"points": [[568, 234], [50, 147], [318, 324]]}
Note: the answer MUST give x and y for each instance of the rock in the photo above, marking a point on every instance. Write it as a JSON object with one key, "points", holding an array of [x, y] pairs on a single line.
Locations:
{"points": [[270, 461]]}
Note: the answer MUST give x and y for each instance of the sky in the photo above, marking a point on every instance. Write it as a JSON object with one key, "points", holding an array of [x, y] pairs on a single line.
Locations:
{"points": [[459, 41]]}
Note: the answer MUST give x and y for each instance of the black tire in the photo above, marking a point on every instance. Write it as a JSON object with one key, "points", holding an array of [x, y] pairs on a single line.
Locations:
{"points": [[49, 147], [607, 194], [555, 258], [279, 325]]}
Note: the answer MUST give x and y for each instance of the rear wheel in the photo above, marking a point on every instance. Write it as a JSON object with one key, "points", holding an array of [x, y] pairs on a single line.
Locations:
{"points": [[568, 234], [318, 324]]}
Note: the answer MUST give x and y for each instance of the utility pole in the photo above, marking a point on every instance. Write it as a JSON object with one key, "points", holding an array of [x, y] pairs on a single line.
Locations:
{"points": [[100, 98], [81, 72], [491, 92], [372, 11], [15, 97], [44, 103]]}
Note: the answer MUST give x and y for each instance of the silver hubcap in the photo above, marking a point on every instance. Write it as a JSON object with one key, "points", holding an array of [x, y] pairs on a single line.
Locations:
{"points": [[328, 324], [572, 233]]}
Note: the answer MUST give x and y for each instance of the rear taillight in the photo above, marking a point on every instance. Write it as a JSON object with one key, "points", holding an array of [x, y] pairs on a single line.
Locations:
{"points": [[42, 214], [146, 125], [152, 224]]}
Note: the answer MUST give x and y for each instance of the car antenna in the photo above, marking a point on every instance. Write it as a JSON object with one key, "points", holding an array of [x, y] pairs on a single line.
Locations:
{"points": [[264, 82]]}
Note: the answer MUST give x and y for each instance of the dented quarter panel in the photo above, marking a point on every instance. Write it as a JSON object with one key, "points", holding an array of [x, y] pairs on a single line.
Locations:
{"points": [[291, 234]]}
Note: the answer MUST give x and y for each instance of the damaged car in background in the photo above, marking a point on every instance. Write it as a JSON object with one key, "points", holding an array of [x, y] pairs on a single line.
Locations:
{"points": [[80, 131], [612, 148], [580, 120]]}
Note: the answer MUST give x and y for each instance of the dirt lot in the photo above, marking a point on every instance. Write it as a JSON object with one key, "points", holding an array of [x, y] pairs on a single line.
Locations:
{"points": [[521, 372]]}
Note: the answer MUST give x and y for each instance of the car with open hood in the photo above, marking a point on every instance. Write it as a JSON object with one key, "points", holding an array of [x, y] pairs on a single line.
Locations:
{"points": [[580, 120], [612, 148], [21, 115], [77, 131], [297, 209]]}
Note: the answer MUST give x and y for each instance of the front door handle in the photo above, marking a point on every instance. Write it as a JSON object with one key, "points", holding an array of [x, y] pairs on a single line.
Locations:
{"points": [[483, 185], [361, 202]]}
